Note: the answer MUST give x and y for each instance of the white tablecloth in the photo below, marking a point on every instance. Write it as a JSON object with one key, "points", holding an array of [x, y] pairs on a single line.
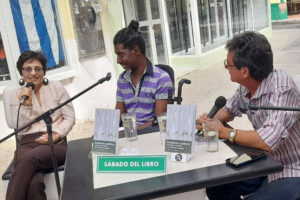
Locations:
{"points": [[150, 144]]}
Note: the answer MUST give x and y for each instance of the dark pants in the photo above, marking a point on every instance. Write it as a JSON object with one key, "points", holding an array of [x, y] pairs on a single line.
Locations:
{"points": [[233, 191], [257, 189], [31, 160]]}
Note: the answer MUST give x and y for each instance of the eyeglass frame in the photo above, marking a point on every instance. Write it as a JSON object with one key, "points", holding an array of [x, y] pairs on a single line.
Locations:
{"points": [[37, 70], [227, 65]]}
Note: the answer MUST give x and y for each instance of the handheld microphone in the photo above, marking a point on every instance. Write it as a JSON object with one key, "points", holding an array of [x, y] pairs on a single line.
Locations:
{"points": [[24, 97], [219, 103]]}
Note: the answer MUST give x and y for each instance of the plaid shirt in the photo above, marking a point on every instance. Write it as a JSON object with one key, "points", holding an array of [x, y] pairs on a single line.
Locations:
{"points": [[280, 130]]}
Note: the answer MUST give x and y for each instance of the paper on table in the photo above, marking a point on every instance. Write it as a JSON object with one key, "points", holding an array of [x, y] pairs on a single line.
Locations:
{"points": [[201, 159]]}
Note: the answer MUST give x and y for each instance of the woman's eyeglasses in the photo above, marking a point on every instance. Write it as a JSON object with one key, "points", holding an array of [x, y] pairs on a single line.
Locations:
{"points": [[28, 70], [227, 65]]}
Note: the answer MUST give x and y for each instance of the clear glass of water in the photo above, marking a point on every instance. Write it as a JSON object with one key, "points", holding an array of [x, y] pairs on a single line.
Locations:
{"points": [[211, 134], [129, 123], [162, 123]]}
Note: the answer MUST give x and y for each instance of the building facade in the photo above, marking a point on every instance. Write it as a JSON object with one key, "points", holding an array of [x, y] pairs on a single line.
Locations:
{"points": [[76, 36]]}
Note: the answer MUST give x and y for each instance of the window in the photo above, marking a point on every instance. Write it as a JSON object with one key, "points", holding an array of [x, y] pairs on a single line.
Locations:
{"points": [[147, 13], [88, 27], [37, 28], [4, 72], [260, 13], [213, 21], [241, 15], [179, 25]]}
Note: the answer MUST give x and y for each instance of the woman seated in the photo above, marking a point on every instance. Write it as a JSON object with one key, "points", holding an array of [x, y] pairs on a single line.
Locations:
{"points": [[33, 154]]}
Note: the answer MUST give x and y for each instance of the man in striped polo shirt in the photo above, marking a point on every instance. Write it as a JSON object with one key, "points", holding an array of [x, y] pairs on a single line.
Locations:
{"points": [[143, 88], [250, 63]]}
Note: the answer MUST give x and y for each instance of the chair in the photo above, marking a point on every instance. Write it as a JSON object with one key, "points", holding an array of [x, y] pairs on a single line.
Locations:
{"points": [[49, 178], [170, 71], [172, 99]]}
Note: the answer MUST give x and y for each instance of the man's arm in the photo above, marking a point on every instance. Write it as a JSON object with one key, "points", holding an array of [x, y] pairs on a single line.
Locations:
{"points": [[244, 138], [161, 106], [221, 115], [121, 107]]}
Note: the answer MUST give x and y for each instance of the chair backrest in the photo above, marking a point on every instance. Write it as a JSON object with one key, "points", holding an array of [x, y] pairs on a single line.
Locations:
{"points": [[6, 103], [169, 70]]}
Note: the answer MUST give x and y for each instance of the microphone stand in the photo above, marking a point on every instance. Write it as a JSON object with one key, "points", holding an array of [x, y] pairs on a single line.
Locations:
{"points": [[48, 120], [243, 107], [255, 108]]}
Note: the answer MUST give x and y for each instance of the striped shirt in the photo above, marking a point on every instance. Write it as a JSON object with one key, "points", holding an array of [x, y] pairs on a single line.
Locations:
{"points": [[280, 130], [154, 84]]}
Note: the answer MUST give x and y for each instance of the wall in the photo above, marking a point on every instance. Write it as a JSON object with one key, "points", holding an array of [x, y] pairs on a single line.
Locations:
{"points": [[82, 74]]}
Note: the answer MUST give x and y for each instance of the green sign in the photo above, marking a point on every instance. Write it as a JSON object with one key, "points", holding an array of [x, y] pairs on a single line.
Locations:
{"points": [[132, 164]]}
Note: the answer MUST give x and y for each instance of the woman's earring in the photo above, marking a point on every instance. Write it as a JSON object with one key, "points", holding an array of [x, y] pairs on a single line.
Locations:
{"points": [[21, 81], [45, 81]]}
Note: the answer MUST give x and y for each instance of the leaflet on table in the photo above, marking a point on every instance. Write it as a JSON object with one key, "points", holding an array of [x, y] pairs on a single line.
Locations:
{"points": [[180, 131], [106, 130]]}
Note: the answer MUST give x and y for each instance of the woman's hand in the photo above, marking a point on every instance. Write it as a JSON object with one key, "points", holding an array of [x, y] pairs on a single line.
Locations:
{"points": [[26, 91], [43, 139]]}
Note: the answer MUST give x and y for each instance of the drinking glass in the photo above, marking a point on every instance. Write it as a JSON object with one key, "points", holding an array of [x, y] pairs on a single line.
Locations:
{"points": [[211, 134], [129, 123], [162, 123]]}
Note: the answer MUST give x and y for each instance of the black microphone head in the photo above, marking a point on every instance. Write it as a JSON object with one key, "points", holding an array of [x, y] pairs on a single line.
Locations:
{"points": [[30, 84], [108, 76], [220, 102]]}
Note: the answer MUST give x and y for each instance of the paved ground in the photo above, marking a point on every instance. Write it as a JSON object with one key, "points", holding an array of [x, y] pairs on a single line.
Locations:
{"points": [[207, 85]]}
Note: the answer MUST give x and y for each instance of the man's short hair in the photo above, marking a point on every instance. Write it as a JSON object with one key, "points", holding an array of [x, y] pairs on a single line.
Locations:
{"points": [[252, 50], [31, 55], [130, 37]]}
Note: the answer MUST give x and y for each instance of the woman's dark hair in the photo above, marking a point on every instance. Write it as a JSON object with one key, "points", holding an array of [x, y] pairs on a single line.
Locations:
{"points": [[130, 37], [252, 50], [30, 55]]}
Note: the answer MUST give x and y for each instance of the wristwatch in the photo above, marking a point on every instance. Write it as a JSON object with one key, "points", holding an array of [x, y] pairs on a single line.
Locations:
{"points": [[232, 135]]}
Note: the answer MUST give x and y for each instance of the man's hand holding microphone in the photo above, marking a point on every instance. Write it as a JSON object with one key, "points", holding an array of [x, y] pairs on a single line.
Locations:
{"points": [[219, 103]]}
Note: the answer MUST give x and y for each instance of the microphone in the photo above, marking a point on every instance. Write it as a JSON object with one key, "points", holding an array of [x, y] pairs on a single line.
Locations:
{"points": [[24, 97], [219, 103], [107, 78]]}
